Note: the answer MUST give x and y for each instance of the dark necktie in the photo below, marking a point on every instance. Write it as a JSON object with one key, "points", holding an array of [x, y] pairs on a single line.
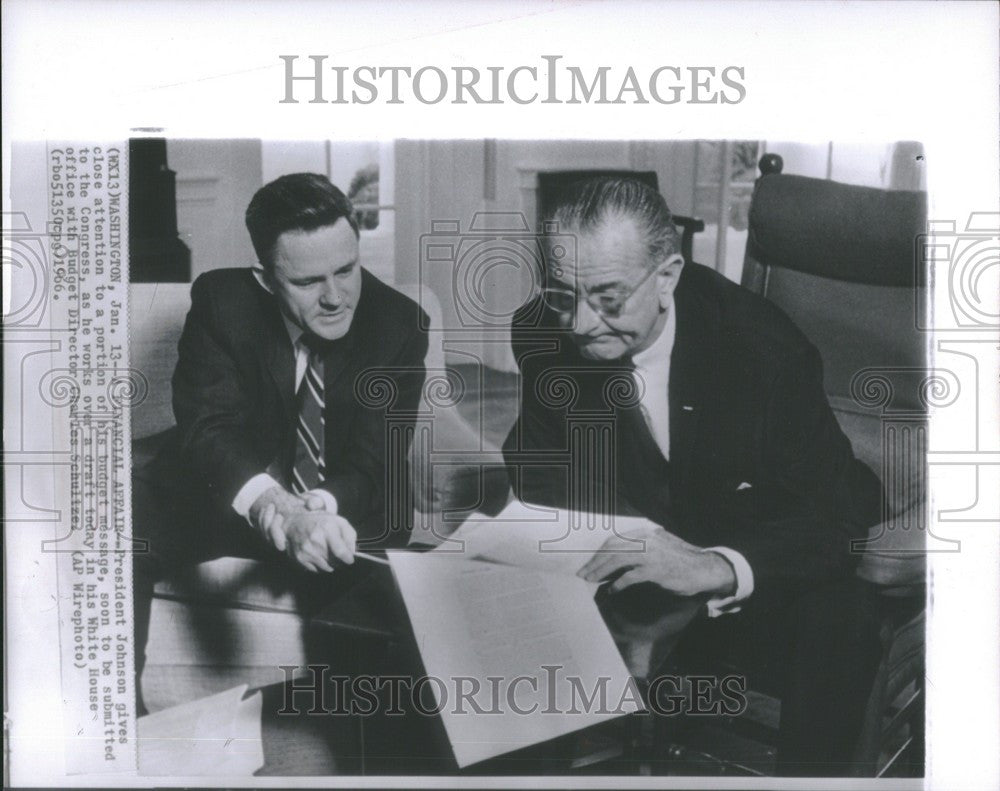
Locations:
{"points": [[309, 467]]}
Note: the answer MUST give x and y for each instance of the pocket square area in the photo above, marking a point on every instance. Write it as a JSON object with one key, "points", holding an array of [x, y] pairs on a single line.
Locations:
{"points": [[743, 486]]}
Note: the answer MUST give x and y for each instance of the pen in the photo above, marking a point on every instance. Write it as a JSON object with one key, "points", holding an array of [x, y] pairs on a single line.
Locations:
{"points": [[372, 558]]}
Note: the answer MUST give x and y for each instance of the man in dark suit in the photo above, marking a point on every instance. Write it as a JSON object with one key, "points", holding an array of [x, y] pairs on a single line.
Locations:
{"points": [[281, 438], [657, 388]]}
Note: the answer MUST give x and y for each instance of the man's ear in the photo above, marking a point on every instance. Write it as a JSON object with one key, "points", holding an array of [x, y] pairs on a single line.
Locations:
{"points": [[667, 275]]}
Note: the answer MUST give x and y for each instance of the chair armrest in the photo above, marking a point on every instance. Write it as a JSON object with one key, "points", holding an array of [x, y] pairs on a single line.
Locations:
{"points": [[894, 555]]}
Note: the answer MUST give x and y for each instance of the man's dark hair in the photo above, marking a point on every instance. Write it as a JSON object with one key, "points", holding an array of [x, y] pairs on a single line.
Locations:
{"points": [[588, 203], [296, 202]]}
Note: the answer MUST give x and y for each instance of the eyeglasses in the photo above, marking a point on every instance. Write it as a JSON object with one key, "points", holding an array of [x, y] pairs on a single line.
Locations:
{"points": [[607, 304]]}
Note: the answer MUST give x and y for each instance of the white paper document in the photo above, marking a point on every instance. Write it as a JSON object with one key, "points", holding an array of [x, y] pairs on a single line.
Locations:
{"points": [[514, 656], [543, 538], [218, 735]]}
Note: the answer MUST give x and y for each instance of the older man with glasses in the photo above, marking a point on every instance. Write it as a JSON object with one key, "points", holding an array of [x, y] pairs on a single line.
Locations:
{"points": [[709, 418]]}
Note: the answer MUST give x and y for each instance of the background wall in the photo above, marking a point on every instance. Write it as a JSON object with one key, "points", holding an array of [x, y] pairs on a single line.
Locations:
{"points": [[215, 180], [423, 182]]}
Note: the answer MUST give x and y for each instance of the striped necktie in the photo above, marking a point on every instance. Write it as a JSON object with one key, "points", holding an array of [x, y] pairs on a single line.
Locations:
{"points": [[309, 467]]}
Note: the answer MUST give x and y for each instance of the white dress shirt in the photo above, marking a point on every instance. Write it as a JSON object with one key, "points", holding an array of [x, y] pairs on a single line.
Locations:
{"points": [[260, 483], [652, 374]]}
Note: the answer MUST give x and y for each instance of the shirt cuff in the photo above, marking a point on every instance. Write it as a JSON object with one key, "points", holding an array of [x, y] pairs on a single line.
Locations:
{"points": [[251, 490], [744, 583], [329, 501]]}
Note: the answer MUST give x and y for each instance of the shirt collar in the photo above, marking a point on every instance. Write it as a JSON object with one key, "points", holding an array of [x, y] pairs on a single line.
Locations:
{"points": [[658, 355], [295, 332]]}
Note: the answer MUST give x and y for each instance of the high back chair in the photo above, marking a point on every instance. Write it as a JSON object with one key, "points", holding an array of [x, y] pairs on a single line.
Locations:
{"points": [[839, 260]]}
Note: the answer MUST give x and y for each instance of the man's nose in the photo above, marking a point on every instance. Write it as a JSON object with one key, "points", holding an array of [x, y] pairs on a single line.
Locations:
{"points": [[331, 296], [587, 319]]}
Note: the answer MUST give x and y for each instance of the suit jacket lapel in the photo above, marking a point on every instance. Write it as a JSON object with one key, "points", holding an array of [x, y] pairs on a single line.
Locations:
{"points": [[336, 359], [343, 357], [278, 353], [691, 371]]}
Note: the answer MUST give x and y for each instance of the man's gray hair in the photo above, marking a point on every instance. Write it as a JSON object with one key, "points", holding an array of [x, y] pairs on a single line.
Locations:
{"points": [[588, 203]]}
